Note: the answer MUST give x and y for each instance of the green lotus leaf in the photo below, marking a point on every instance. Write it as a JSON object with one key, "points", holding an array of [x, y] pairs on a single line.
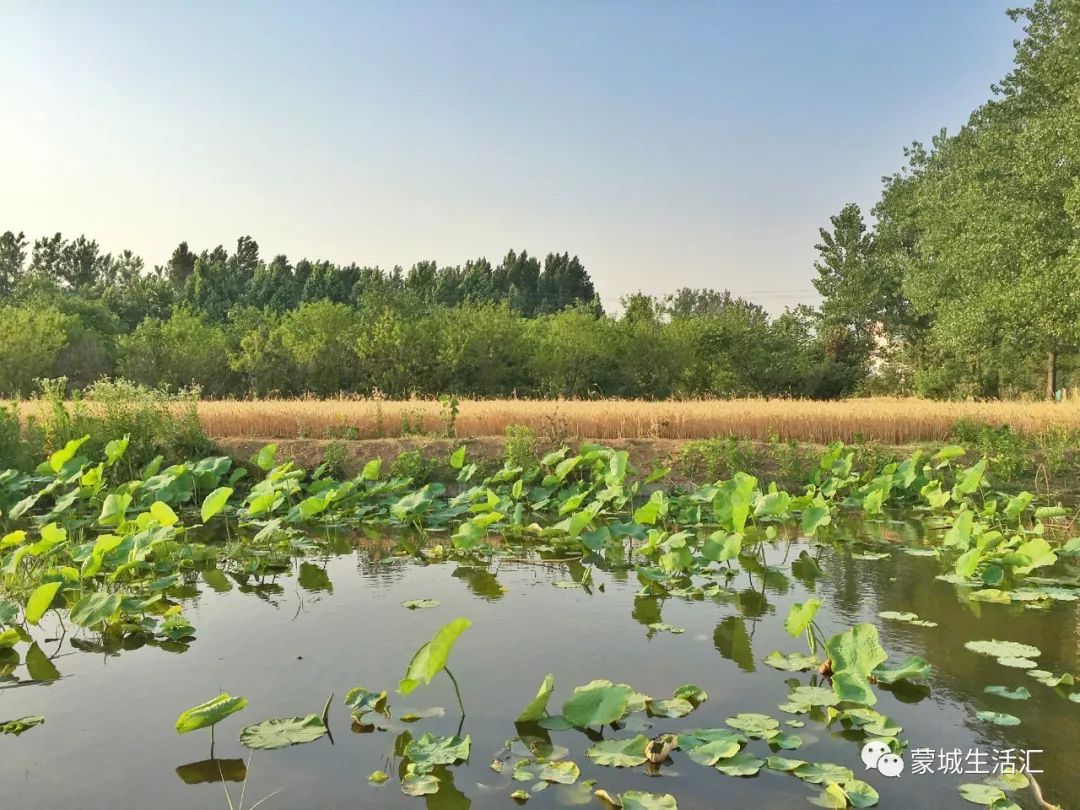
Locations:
{"points": [[209, 713], [814, 696], [640, 800], [676, 707], [419, 784], [783, 764], [563, 772], [818, 773], [17, 727], [420, 604], [431, 750], [1003, 649], [759, 726], [985, 795], [715, 750], [791, 662], [619, 753], [597, 703], [914, 669], [1020, 693], [744, 763], [95, 608], [431, 658], [281, 732], [998, 718], [537, 707]]}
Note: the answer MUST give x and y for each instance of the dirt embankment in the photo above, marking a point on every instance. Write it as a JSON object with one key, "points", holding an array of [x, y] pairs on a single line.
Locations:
{"points": [[645, 454]]}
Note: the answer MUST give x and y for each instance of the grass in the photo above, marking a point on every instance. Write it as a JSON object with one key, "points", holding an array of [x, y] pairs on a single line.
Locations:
{"points": [[885, 420]]}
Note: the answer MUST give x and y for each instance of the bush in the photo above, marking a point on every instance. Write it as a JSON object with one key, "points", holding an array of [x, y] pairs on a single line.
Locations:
{"points": [[157, 422], [1006, 451], [521, 447], [19, 448]]}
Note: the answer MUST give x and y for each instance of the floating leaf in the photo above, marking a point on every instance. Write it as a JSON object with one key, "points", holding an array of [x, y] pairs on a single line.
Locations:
{"points": [[281, 732], [985, 795], [998, 718], [742, 764], [914, 669], [619, 753], [814, 696], [676, 707], [818, 772], [640, 800], [715, 750], [664, 627], [1017, 663], [20, 725], [1003, 649], [431, 658], [209, 713], [760, 726], [692, 692], [563, 772], [791, 662], [362, 701], [419, 604], [783, 764], [597, 703], [419, 784], [1020, 693], [431, 750], [378, 777]]}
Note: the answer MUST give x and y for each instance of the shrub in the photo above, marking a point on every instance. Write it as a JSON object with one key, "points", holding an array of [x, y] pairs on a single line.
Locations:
{"points": [[521, 447]]}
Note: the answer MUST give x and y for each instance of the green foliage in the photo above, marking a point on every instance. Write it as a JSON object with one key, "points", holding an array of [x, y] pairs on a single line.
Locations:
{"points": [[521, 447], [411, 464]]}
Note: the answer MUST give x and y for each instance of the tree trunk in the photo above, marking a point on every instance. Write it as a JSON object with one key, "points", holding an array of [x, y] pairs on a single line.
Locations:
{"points": [[1051, 374]]}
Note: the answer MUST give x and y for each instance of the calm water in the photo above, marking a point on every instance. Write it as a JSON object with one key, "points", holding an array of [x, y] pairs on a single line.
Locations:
{"points": [[337, 622]]}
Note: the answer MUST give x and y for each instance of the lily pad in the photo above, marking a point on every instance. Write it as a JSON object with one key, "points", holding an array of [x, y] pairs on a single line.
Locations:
{"points": [[814, 696], [640, 800], [619, 753], [431, 750], [1017, 663], [597, 703], [420, 604], [676, 707], [419, 784], [817, 773], [692, 692], [712, 752], [985, 795], [17, 727], [1003, 649], [1020, 693], [791, 662], [281, 732], [998, 718], [914, 669], [759, 726], [744, 763], [378, 777], [783, 764], [563, 773]]}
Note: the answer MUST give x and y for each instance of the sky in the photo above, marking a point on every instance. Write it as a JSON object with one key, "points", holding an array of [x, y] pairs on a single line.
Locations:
{"points": [[696, 144]]}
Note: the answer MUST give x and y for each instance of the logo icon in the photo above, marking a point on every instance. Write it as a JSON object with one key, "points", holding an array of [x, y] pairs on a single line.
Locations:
{"points": [[877, 754]]}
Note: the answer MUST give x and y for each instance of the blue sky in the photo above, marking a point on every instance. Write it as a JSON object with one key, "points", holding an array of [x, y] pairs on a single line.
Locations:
{"points": [[667, 144]]}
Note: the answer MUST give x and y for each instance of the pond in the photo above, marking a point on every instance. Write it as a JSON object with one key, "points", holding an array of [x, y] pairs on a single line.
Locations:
{"points": [[328, 615], [338, 621]]}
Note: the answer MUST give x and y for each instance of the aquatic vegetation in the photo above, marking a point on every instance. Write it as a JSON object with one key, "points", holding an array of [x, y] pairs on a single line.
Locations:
{"points": [[118, 554]]}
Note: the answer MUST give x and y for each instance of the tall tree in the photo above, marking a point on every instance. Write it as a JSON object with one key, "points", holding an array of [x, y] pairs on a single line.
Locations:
{"points": [[12, 260]]}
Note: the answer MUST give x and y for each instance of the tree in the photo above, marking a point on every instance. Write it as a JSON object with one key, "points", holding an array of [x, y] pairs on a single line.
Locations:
{"points": [[996, 266], [12, 260], [31, 338], [180, 265]]}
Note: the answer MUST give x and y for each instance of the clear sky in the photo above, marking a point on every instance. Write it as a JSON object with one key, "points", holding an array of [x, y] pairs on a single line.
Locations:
{"points": [[667, 144]]}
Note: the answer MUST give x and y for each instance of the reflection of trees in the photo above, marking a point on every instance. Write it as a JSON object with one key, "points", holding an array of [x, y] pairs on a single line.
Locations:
{"points": [[856, 590]]}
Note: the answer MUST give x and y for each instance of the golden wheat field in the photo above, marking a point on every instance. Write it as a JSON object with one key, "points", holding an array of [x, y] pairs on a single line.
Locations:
{"points": [[893, 421]]}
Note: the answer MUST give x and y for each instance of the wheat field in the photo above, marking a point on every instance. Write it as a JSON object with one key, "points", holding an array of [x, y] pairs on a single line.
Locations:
{"points": [[893, 421]]}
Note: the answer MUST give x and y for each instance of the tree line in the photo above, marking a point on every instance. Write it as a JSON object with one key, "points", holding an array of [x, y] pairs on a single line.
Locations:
{"points": [[237, 325], [965, 284]]}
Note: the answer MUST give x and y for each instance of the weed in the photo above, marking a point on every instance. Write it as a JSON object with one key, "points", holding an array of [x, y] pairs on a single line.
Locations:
{"points": [[521, 447], [411, 464]]}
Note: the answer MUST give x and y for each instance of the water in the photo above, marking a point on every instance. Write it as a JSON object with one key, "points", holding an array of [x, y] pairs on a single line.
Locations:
{"points": [[337, 622]]}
